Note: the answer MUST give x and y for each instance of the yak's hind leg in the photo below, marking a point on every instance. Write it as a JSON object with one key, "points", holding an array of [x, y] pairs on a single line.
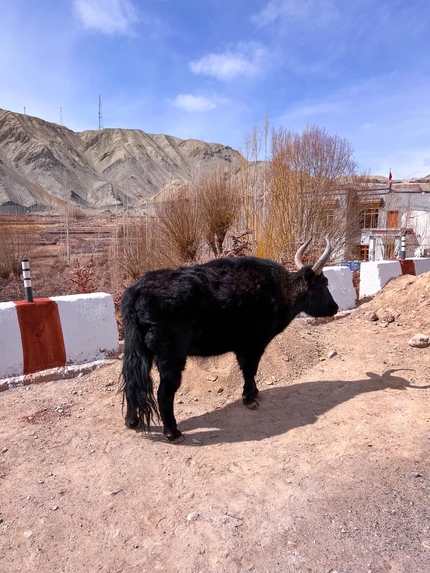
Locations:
{"points": [[248, 362], [170, 370]]}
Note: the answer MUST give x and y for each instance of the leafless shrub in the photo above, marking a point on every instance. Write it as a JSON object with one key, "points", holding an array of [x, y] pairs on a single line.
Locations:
{"points": [[179, 229], [218, 203], [128, 250], [242, 245], [83, 276], [18, 238]]}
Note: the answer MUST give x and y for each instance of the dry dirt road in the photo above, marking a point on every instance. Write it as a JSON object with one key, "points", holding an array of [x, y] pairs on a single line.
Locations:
{"points": [[331, 474]]}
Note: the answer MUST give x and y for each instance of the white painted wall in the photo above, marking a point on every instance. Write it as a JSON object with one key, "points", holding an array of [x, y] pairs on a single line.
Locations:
{"points": [[421, 265], [11, 356], [374, 275], [88, 324], [341, 287]]}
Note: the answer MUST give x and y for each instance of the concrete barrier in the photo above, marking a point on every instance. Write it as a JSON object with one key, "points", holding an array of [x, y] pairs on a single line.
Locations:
{"points": [[341, 286], [421, 266], [49, 333], [374, 275]]}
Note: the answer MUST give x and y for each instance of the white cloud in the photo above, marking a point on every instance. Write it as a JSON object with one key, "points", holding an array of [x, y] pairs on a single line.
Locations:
{"points": [[247, 60], [367, 126], [106, 16], [283, 9], [189, 102]]}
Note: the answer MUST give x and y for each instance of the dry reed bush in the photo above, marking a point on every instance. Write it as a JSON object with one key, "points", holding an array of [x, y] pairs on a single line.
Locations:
{"points": [[218, 202], [19, 236], [128, 250], [176, 238]]}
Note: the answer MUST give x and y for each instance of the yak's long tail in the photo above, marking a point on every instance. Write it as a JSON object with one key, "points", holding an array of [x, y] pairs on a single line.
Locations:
{"points": [[137, 383]]}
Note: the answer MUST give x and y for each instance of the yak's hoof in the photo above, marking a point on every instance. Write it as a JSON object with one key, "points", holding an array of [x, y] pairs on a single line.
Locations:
{"points": [[176, 438], [252, 405], [133, 424]]}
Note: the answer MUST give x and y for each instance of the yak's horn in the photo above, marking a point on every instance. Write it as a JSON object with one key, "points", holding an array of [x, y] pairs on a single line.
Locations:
{"points": [[319, 265], [298, 256]]}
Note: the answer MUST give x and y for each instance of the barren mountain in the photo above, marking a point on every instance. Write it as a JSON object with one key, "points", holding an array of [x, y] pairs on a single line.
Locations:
{"points": [[43, 165]]}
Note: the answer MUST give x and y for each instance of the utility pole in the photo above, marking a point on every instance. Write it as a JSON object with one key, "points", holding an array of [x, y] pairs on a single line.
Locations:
{"points": [[100, 114], [61, 116]]}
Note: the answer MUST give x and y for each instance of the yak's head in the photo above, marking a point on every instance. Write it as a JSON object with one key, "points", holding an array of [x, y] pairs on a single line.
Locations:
{"points": [[317, 299]]}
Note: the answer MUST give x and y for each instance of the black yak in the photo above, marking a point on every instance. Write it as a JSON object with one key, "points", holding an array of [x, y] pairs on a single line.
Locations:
{"points": [[226, 305]]}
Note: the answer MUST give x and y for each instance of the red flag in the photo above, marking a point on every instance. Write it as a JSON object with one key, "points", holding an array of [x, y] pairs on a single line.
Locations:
{"points": [[390, 176]]}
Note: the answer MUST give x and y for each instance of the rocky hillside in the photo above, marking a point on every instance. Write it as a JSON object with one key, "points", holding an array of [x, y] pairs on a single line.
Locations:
{"points": [[44, 165]]}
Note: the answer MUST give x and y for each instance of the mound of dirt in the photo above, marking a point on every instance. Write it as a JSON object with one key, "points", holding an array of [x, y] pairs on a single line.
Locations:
{"points": [[407, 298]]}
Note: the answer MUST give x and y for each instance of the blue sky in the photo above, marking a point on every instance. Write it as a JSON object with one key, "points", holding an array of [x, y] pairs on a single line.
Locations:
{"points": [[213, 69]]}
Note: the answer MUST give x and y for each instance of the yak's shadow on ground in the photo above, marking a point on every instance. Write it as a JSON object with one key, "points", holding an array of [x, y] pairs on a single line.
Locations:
{"points": [[281, 409]]}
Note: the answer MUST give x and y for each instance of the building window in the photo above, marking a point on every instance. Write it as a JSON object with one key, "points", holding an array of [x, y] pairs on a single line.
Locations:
{"points": [[369, 218], [361, 252], [393, 220]]}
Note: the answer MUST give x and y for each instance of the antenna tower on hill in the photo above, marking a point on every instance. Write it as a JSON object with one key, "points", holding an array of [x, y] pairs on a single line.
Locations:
{"points": [[100, 114], [61, 116]]}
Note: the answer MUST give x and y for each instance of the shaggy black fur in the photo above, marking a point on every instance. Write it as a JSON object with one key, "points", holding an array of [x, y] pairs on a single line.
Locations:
{"points": [[226, 305]]}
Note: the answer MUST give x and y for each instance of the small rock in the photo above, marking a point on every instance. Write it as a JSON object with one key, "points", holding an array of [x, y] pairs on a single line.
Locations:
{"points": [[27, 533], [372, 316], [419, 341], [4, 450], [220, 390], [192, 516], [197, 442], [416, 474], [332, 353], [54, 508], [269, 382], [385, 315]]}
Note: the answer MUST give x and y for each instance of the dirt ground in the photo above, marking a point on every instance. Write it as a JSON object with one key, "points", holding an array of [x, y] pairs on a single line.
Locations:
{"points": [[331, 474]]}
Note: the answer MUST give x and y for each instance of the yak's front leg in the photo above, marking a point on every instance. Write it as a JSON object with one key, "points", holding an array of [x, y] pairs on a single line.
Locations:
{"points": [[248, 362], [170, 380]]}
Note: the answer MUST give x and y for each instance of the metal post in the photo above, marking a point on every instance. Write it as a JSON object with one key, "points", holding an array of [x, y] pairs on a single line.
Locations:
{"points": [[403, 247], [27, 280]]}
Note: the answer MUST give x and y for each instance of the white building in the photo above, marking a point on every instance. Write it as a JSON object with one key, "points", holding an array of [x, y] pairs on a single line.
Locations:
{"points": [[393, 210]]}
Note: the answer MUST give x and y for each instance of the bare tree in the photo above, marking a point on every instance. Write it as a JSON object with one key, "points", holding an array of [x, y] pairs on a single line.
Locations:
{"points": [[311, 190]]}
